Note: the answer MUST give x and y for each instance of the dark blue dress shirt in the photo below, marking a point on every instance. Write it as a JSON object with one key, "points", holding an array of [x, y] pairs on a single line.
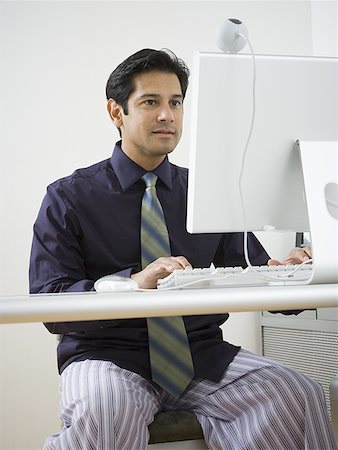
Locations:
{"points": [[89, 226]]}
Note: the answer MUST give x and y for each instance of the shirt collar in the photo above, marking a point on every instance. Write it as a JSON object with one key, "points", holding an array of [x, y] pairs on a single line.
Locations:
{"points": [[128, 172]]}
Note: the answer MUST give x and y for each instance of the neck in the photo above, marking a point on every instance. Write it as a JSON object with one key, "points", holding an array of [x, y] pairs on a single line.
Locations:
{"points": [[150, 165], [144, 160]]}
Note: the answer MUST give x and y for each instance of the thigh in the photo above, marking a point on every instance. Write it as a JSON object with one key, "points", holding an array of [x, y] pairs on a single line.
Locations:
{"points": [[104, 406], [262, 404]]}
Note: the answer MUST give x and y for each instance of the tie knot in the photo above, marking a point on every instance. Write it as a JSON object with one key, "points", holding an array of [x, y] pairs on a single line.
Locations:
{"points": [[150, 179]]}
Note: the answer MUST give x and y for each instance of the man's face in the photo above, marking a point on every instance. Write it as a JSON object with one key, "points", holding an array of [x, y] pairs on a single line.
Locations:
{"points": [[153, 126]]}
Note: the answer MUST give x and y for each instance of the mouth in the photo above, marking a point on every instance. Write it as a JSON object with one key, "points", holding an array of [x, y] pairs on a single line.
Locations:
{"points": [[164, 132]]}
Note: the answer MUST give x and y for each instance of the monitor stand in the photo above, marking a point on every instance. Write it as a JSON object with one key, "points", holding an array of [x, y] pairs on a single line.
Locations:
{"points": [[320, 166]]}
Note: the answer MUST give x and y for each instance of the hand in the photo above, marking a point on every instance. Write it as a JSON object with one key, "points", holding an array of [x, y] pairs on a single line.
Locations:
{"points": [[296, 256], [160, 268]]}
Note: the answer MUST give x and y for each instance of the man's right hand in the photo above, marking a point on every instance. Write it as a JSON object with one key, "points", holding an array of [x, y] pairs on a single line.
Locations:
{"points": [[158, 269]]}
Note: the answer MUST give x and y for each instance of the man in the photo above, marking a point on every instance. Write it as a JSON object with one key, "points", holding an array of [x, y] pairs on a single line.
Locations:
{"points": [[91, 224]]}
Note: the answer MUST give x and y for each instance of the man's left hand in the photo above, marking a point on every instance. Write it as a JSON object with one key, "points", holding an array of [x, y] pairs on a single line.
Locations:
{"points": [[297, 256]]}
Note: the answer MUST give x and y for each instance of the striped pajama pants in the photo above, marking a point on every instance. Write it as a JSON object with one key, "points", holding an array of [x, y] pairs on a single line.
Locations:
{"points": [[258, 405]]}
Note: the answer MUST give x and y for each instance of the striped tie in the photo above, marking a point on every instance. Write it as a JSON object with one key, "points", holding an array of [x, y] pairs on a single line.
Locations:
{"points": [[170, 357]]}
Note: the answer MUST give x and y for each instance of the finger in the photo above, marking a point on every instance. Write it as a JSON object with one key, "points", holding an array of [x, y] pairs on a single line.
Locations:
{"points": [[147, 278], [174, 265], [274, 262], [299, 259], [308, 251], [182, 261], [292, 261], [300, 256], [162, 269], [165, 265]]}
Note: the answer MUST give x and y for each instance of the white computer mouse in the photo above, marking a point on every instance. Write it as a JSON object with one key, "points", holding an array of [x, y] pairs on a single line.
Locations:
{"points": [[115, 283]]}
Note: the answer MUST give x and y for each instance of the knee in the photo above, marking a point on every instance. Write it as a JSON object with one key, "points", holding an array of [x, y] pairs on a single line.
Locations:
{"points": [[303, 389], [104, 394], [107, 397]]}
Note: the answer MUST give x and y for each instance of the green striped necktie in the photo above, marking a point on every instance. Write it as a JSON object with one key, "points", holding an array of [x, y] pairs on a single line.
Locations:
{"points": [[170, 357]]}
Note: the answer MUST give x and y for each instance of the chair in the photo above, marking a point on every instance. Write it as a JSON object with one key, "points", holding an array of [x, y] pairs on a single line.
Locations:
{"points": [[334, 405], [176, 430]]}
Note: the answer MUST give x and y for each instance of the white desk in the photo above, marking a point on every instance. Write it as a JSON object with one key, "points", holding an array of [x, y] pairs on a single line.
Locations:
{"points": [[95, 306]]}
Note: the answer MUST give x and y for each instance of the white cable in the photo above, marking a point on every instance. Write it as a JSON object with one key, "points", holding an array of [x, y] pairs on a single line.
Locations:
{"points": [[245, 243], [245, 235]]}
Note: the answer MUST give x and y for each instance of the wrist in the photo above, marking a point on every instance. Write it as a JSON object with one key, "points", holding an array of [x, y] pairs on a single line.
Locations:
{"points": [[143, 281]]}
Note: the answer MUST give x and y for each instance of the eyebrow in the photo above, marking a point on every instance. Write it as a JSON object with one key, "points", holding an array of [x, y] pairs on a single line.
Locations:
{"points": [[180, 96]]}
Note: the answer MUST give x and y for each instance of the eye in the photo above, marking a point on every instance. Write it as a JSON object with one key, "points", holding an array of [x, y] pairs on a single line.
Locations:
{"points": [[149, 102], [176, 103]]}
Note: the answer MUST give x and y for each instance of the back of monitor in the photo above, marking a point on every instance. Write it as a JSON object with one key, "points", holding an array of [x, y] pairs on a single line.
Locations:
{"points": [[290, 179], [296, 99]]}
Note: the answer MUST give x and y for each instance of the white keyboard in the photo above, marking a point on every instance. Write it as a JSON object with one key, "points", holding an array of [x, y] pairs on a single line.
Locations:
{"points": [[190, 278]]}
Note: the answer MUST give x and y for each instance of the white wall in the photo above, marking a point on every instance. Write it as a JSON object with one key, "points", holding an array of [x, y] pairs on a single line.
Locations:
{"points": [[55, 59]]}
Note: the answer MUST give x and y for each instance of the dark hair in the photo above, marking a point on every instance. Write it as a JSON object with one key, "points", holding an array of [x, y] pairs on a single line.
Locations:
{"points": [[121, 82]]}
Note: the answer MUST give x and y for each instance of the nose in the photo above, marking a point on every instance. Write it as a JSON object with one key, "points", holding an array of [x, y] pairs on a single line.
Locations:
{"points": [[166, 114]]}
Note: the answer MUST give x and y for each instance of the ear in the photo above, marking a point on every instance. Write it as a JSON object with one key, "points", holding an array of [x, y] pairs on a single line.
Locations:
{"points": [[115, 112]]}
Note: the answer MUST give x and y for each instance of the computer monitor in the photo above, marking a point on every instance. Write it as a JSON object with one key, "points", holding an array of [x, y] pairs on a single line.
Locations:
{"points": [[285, 186], [296, 99]]}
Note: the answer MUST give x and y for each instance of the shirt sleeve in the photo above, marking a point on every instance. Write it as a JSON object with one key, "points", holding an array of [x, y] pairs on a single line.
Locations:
{"points": [[56, 262]]}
